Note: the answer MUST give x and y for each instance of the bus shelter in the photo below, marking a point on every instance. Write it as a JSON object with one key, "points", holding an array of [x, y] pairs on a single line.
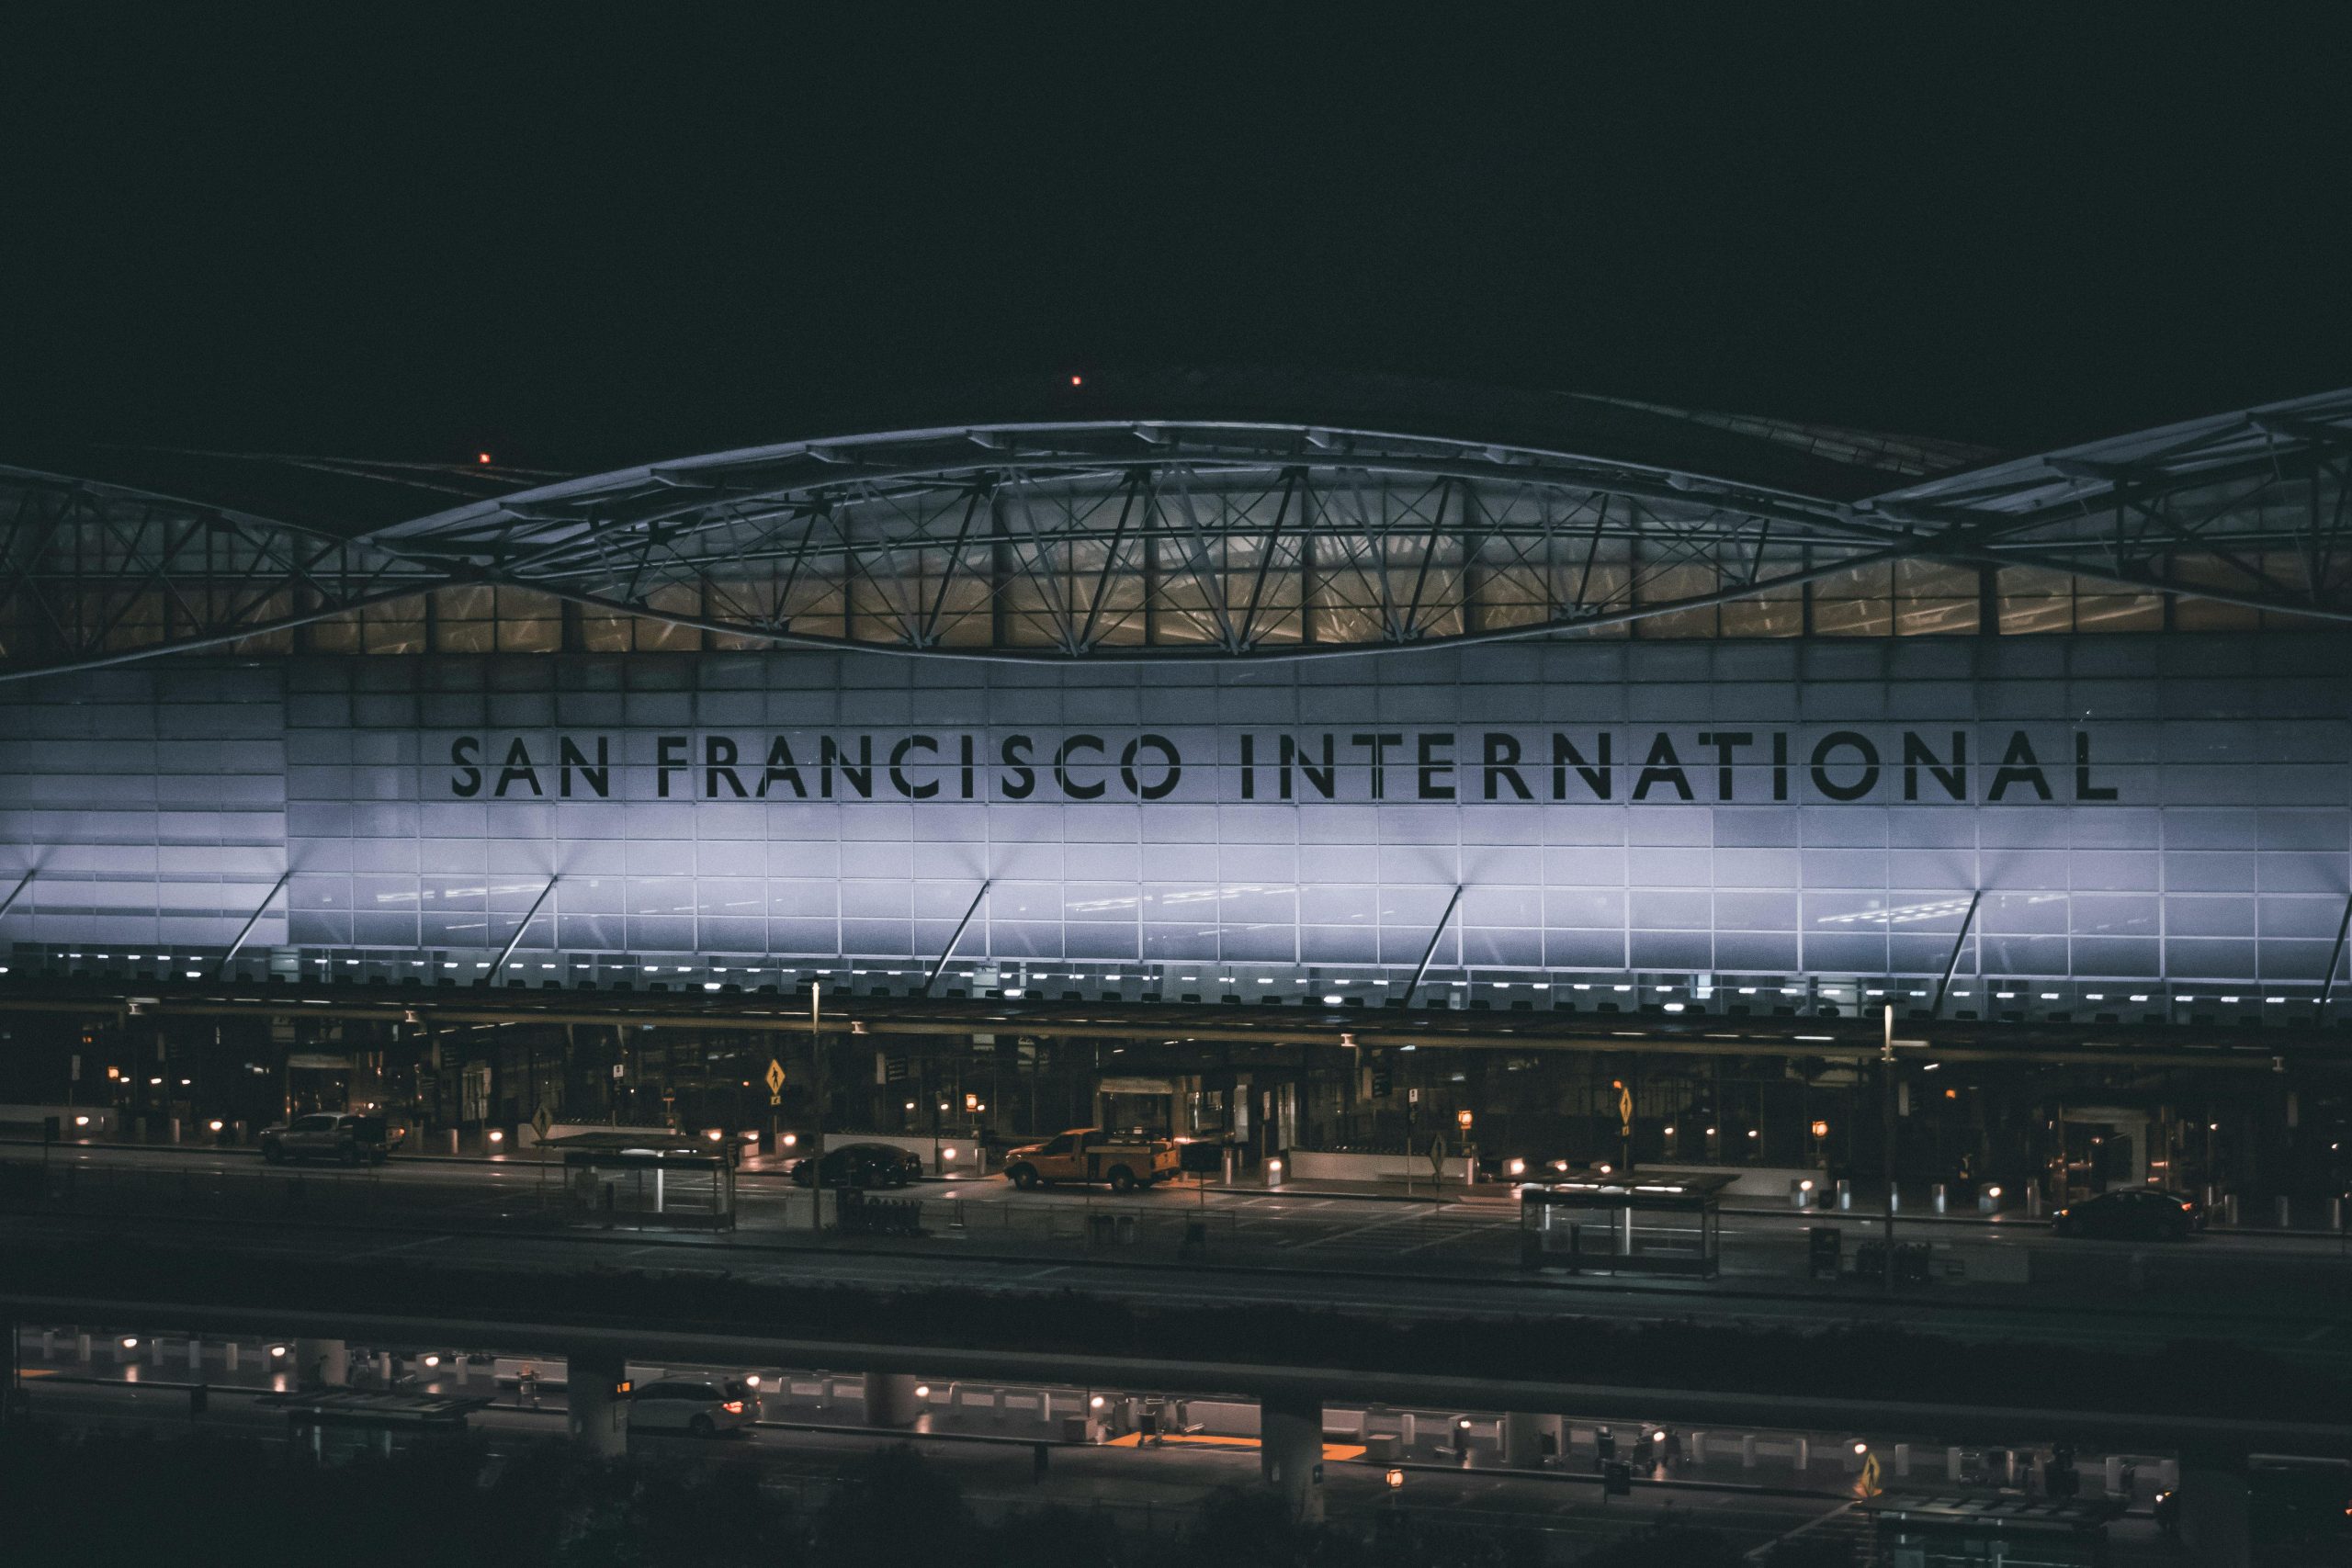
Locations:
{"points": [[1918, 1529], [1629, 1223], [674, 1181], [334, 1421]]}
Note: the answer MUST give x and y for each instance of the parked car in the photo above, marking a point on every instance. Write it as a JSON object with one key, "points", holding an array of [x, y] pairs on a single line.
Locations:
{"points": [[2136, 1213], [337, 1135], [862, 1165], [702, 1407]]}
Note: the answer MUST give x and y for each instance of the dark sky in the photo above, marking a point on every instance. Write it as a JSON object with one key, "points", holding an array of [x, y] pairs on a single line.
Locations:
{"points": [[588, 242]]}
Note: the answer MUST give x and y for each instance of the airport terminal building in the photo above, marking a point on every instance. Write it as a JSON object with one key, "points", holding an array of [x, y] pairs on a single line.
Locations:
{"points": [[1375, 700]]}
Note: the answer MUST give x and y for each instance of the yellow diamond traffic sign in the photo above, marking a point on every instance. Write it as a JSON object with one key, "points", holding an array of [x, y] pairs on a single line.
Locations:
{"points": [[776, 1076]]}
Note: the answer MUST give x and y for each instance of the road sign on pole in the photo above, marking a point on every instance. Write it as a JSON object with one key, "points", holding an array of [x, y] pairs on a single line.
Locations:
{"points": [[541, 1122], [775, 1078]]}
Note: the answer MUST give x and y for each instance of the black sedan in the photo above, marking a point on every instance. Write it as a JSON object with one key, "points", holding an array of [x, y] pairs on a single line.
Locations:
{"points": [[2134, 1214], [862, 1165]]}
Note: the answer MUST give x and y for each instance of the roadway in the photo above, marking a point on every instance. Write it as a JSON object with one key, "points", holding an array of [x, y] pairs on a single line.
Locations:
{"points": [[2285, 1294]]}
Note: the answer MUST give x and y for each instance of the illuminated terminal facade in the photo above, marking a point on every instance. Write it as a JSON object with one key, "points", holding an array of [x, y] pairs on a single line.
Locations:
{"points": [[1213, 688]]}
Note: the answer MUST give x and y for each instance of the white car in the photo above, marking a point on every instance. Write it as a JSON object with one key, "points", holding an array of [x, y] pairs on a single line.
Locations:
{"points": [[700, 1406]]}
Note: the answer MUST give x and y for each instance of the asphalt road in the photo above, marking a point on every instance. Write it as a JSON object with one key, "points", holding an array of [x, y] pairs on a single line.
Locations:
{"points": [[2290, 1294]]}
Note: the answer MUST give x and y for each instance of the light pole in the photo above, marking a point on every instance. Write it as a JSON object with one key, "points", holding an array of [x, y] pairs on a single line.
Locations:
{"points": [[1886, 1118], [817, 1087]]}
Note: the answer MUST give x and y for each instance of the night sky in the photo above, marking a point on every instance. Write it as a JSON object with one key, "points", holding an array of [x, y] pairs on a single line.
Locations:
{"points": [[585, 242]]}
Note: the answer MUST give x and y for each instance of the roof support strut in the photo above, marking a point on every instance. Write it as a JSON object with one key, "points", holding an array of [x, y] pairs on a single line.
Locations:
{"points": [[254, 919], [2335, 955], [1430, 952], [1951, 964], [10, 901], [516, 939], [949, 951]]}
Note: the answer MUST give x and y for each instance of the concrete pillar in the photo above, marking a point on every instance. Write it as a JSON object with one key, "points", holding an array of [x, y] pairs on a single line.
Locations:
{"points": [[1522, 1440], [2214, 1517], [321, 1361], [890, 1400], [1290, 1456], [595, 1416]]}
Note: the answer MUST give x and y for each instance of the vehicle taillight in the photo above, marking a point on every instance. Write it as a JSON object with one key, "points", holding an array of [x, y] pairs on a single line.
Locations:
{"points": [[733, 1407], [2188, 1208]]}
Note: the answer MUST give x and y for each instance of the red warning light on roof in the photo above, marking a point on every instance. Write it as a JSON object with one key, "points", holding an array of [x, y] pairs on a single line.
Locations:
{"points": [[482, 456], [1077, 380]]}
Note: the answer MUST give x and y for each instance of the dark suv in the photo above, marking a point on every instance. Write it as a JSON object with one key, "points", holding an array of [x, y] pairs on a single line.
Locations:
{"points": [[330, 1134], [2131, 1213]]}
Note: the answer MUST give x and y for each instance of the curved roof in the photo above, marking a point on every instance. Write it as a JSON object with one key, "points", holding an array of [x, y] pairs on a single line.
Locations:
{"points": [[1198, 515]]}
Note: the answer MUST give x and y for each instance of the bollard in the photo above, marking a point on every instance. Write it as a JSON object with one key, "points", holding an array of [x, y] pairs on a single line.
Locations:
{"points": [[81, 1347], [1698, 1448], [1406, 1428], [2033, 1201], [156, 1351], [2335, 1213], [1800, 1454], [1845, 1193], [1951, 1464], [2229, 1210], [2114, 1475], [1800, 1192], [1895, 1200], [229, 1355], [1903, 1460], [1747, 1450], [47, 1342], [2286, 1212], [196, 1355], [1273, 1173], [1937, 1194]]}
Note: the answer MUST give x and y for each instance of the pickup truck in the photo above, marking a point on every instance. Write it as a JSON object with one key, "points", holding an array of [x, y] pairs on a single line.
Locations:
{"points": [[1125, 1160]]}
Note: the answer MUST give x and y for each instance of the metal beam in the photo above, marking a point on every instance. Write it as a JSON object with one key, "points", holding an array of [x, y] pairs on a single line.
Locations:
{"points": [[10, 902], [1423, 969], [949, 951], [516, 939], [2335, 955], [1952, 963], [254, 919]]}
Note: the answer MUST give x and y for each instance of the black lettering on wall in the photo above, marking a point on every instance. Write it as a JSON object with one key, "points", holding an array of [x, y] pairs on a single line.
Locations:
{"points": [[1292, 753], [2018, 766], [1916, 755], [1661, 767], [1598, 776], [897, 767], [669, 756], [1429, 742], [518, 769], [465, 783], [1249, 767], [719, 763], [1502, 764], [1062, 756], [597, 776], [1779, 764], [1378, 743], [1166, 784], [1844, 740], [781, 769], [858, 775], [1018, 783], [963, 753], [2083, 788], [1725, 741]]}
